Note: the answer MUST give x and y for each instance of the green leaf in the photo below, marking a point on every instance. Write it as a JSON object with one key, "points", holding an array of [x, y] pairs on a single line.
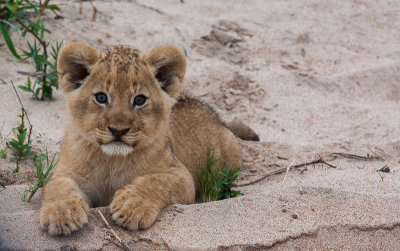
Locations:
{"points": [[8, 40], [24, 88], [10, 7], [21, 137], [53, 7], [14, 144]]}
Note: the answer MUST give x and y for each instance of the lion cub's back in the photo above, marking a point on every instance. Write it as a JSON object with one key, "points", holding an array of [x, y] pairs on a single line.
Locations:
{"points": [[195, 128]]}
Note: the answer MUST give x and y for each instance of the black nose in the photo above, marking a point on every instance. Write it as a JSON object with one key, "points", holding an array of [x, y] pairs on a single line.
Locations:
{"points": [[118, 133]]}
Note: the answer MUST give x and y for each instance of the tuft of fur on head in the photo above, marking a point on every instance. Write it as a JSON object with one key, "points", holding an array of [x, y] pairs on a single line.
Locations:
{"points": [[116, 148]]}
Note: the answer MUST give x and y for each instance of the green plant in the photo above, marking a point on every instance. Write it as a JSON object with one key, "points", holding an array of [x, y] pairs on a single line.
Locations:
{"points": [[43, 172], [25, 17], [42, 86], [216, 183], [3, 153], [226, 184], [22, 143], [381, 176]]}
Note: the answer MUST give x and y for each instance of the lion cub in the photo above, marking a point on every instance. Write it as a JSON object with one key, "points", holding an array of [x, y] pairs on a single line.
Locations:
{"points": [[132, 142]]}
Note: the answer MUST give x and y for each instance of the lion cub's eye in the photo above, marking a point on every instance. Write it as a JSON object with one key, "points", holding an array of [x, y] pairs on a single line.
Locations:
{"points": [[139, 100], [101, 98]]}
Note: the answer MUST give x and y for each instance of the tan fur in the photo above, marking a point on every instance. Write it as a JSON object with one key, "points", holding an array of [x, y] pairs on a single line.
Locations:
{"points": [[168, 135], [242, 131]]}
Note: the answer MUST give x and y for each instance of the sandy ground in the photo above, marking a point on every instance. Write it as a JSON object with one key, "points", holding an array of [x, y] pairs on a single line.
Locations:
{"points": [[311, 77]]}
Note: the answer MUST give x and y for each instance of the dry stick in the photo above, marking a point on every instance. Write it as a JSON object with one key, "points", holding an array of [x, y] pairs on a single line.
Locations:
{"points": [[281, 170], [113, 232], [94, 12], [208, 92], [358, 157], [287, 171], [30, 74], [42, 8], [23, 109]]}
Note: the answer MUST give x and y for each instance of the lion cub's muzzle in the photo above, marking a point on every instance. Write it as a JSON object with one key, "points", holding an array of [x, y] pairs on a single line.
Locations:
{"points": [[116, 141]]}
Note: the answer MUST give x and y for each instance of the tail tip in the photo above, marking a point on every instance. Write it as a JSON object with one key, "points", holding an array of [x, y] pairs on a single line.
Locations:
{"points": [[242, 131]]}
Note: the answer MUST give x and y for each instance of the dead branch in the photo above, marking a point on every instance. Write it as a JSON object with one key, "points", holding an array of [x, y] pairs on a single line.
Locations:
{"points": [[30, 74], [126, 247], [282, 170], [94, 12], [208, 92], [42, 8], [19, 99], [287, 171], [357, 157], [149, 8]]}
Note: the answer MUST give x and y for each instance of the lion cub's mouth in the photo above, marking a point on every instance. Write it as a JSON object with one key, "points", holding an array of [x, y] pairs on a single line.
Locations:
{"points": [[116, 148]]}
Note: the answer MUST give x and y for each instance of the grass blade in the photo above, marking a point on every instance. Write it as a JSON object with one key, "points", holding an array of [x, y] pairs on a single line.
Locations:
{"points": [[8, 40]]}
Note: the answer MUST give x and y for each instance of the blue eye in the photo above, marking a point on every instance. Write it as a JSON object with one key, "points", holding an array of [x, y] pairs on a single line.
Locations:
{"points": [[101, 98], [139, 100]]}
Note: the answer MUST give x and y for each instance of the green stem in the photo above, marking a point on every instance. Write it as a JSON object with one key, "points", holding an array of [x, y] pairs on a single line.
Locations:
{"points": [[32, 193], [43, 43]]}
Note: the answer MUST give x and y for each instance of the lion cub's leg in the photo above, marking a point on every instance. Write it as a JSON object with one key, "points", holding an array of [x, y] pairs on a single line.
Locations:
{"points": [[137, 206], [63, 208]]}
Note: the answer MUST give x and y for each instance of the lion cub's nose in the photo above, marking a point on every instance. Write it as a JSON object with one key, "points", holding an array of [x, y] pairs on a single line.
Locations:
{"points": [[118, 133]]}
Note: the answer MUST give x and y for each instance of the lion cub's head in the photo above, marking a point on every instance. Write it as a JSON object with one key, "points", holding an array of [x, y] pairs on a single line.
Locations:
{"points": [[120, 99]]}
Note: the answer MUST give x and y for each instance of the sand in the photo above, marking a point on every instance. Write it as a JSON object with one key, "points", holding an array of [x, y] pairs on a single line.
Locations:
{"points": [[312, 78]]}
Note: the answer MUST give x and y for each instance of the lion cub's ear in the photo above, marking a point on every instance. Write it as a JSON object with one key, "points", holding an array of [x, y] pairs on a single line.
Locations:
{"points": [[73, 65], [169, 68]]}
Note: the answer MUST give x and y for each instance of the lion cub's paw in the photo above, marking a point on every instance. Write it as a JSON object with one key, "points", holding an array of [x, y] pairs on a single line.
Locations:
{"points": [[132, 211], [64, 216]]}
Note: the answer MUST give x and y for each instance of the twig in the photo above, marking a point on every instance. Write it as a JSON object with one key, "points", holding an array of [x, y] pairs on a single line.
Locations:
{"points": [[302, 170], [19, 99], [23, 112], [208, 92], [358, 157], [22, 105], [149, 8], [30, 74], [287, 171], [42, 8], [186, 51], [113, 232], [281, 170], [94, 12]]}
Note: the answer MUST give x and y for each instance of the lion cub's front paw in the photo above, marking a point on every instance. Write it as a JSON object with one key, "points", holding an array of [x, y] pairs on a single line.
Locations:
{"points": [[64, 216], [132, 211]]}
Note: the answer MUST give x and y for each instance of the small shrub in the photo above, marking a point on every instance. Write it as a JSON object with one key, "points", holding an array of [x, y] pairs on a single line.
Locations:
{"points": [[216, 183], [22, 143], [25, 17], [3, 153], [43, 171], [226, 184]]}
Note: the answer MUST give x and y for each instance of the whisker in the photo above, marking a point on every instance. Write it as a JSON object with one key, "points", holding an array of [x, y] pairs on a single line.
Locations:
{"points": [[133, 134]]}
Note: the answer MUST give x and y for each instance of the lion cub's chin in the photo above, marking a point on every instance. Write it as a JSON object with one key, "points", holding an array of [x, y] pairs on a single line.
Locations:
{"points": [[116, 148]]}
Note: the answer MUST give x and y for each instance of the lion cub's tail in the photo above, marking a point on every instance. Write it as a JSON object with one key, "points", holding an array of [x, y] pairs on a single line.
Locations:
{"points": [[242, 131]]}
